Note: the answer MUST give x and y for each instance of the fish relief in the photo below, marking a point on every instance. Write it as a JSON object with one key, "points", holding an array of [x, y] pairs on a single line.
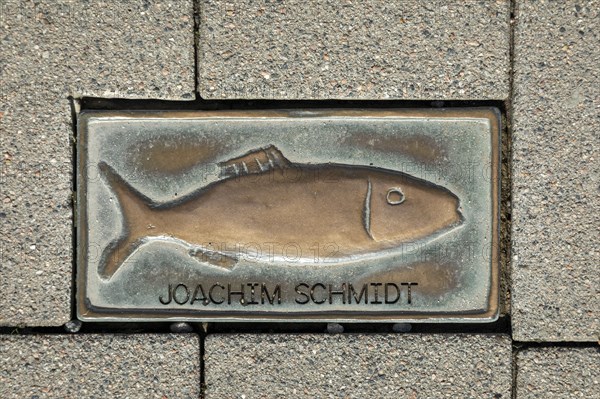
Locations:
{"points": [[262, 197]]}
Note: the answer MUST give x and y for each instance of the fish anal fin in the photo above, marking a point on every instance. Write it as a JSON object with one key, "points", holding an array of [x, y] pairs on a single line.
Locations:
{"points": [[256, 161], [214, 258]]}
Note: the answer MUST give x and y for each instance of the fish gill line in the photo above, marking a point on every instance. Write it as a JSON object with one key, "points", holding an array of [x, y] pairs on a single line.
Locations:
{"points": [[367, 210]]}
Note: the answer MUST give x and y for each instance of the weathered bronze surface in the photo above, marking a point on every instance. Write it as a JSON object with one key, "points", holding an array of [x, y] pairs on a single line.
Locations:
{"points": [[329, 215]]}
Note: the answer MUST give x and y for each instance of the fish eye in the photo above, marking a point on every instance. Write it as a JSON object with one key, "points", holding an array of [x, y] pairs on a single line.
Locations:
{"points": [[395, 196]]}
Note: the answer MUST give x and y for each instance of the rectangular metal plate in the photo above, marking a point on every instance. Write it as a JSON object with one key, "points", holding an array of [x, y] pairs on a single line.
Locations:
{"points": [[294, 215]]}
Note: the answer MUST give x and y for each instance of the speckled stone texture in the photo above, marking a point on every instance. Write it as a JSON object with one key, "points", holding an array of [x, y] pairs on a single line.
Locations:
{"points": [[357, 366], [557, 373], [100, 366], [371, 49], [556, 171], [51, 50]]}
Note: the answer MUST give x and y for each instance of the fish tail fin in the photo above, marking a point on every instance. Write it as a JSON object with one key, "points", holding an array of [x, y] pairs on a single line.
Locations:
{"points": [[137, 217]]}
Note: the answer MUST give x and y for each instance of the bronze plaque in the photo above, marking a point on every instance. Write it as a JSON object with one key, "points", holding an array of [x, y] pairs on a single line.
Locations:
{"points": [[294, 215]]}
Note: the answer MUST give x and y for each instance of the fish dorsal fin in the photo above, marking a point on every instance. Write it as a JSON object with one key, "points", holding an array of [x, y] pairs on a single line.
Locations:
{"points": [[254, 162]]}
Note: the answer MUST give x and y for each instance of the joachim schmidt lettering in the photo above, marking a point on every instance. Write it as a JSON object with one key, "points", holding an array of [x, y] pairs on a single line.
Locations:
{"points": [[373, 293]]}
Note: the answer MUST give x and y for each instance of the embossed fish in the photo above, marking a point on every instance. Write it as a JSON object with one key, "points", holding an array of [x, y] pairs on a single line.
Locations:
{"points": [[303, 212]]}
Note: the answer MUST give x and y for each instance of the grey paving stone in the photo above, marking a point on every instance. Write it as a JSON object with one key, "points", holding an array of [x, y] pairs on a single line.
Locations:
{"points": [[555, 373], [100, 366], [372, 49], [357, 366], [51, 50], [556, 171]]}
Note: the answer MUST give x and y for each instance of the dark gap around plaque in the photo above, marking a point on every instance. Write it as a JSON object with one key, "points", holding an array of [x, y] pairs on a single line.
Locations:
{"points": [[505, 213], [506, 175], [500, 326], [196, 16], [74, 105], [108, 104]]}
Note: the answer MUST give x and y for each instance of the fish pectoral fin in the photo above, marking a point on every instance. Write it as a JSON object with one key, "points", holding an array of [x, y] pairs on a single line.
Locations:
{"points": [[214, 258], [254, 162]]}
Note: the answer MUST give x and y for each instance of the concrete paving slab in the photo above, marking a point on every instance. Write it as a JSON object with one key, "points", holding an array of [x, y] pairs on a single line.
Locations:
{"points": [[559, 372], [100, 366], [371, 49], [358, 366], [52, 50], [555, 215]]}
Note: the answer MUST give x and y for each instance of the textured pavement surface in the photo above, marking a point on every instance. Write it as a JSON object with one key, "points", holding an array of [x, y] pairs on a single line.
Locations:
{"points": [[371, 49], [358, 366], [556, 171], [51, 50], [100, 366], [558, 373]]}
